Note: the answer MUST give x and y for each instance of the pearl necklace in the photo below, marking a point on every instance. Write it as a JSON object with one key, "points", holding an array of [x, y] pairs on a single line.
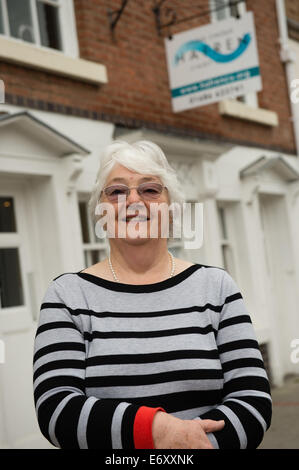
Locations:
{"points": [[117, 280]]}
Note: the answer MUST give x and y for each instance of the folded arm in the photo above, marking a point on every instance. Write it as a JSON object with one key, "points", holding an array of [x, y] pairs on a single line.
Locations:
{"points": [[246, 407]]}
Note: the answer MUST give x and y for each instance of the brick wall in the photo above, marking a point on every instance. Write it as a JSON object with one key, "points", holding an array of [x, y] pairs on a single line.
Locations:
{"points": [[138, 91]]}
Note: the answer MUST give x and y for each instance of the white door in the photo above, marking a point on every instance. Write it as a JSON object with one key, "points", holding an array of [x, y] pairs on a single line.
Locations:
{"points": [[280, 273], [18, 428]]}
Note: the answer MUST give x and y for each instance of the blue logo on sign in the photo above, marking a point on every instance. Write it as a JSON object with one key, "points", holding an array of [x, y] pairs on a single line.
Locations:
{"points": [[212, 53]]}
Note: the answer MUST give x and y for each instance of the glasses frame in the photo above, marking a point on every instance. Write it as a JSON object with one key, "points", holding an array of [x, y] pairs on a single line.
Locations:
{"points": [[128, 189]]}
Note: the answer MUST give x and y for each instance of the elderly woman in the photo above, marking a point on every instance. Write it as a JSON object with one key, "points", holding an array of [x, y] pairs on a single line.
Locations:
{"points": [[143, 350]]}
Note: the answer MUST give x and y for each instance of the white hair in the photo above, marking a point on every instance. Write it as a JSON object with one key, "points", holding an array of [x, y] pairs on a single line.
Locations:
{"points": [[143, 157]]}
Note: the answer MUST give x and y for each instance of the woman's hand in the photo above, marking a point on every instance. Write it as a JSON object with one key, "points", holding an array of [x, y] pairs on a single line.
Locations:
{"points": [[170, 432]]}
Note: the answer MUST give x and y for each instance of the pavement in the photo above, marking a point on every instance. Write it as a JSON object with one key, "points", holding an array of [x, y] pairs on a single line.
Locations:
{"points": [[284, 430]]}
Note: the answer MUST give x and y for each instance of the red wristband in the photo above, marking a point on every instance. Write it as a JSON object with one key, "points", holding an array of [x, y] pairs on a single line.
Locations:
{"points": [[142, 432]]}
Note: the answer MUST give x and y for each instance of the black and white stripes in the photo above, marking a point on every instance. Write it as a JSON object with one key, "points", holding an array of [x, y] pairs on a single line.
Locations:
{"points": [[186, 344]]}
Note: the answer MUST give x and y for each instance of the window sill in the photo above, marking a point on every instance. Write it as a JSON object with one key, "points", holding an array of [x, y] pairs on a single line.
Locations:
{"points": [[240, 110], [32, 56]]}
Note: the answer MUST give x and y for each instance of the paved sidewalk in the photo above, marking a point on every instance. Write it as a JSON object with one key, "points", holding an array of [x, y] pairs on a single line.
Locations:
{"points": [[284, 430]]}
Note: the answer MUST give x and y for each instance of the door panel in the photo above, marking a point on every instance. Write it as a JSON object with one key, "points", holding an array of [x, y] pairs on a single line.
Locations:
{"points": [[17, 326], [279, 261], [14, 253]]}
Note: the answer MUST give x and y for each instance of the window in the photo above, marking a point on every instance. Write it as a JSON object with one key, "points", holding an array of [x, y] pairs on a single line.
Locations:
{"points": [[292, 13], [35, 21], [48, 20], [177, 245], [293, 28], [40, 22], [264, 348], [176, 248], [221, 10], [228, 257], [95, 249], [11, 289]]}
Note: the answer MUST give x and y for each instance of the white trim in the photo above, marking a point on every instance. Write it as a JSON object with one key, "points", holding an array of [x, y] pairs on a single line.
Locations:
{"points": [[180, 146], [251, 99], [53, 3], [241, 110], [5, 17], [230, 241], [95, 246], [68, 29], [37, 57], [242, 8], [101, 246], [35, 25]]}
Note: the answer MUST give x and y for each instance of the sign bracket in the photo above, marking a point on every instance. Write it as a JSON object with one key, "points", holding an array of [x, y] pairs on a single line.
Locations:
{"points": [[115, 15]]}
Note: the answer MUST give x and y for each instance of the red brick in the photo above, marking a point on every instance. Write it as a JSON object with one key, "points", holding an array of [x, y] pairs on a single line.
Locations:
{"points": [[138, 86]]}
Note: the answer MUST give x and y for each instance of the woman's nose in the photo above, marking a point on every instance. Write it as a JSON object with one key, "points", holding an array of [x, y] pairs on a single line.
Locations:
{"points": [[133, 196]]}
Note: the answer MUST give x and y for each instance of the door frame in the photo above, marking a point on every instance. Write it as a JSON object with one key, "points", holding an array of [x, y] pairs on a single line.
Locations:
{"points": [[18, 317]]}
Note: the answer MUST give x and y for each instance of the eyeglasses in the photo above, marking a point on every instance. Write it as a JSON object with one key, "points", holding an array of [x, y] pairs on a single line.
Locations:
{"points": [[148, 191]]}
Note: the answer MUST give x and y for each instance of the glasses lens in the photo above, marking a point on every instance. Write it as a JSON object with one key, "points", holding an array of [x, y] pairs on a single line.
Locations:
{"points": [[150, 190], [112, 192]]}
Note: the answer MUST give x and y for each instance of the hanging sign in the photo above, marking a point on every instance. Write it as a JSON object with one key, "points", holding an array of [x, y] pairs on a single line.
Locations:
{"points": [[213, 62]]}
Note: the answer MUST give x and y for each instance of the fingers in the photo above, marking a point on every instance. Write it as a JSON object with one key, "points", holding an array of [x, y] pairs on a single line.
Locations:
{"points": [[209, 425]]}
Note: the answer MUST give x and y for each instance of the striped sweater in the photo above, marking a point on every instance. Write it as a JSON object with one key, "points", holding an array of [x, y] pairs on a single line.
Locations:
{"points": [[108, 355]]}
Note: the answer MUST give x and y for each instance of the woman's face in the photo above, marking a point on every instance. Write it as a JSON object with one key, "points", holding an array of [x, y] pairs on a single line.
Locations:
{"points": [[150, 221]]}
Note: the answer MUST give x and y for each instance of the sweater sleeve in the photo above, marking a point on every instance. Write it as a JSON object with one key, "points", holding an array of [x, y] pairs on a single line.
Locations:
{"points": [[68, 418], [246, 407]]}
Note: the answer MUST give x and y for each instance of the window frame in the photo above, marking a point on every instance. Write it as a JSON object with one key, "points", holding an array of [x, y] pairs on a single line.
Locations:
{"points": [[67, 26], [19, 317], [226, 237], [250, 99], [177, 245], [12, 240], [102, 247]]}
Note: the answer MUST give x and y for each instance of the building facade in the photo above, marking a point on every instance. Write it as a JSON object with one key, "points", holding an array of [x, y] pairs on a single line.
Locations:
{"points": [[73, 84]]}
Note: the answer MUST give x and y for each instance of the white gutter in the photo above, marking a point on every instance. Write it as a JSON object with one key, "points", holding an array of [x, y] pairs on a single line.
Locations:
{"points": [[288, 57]]}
